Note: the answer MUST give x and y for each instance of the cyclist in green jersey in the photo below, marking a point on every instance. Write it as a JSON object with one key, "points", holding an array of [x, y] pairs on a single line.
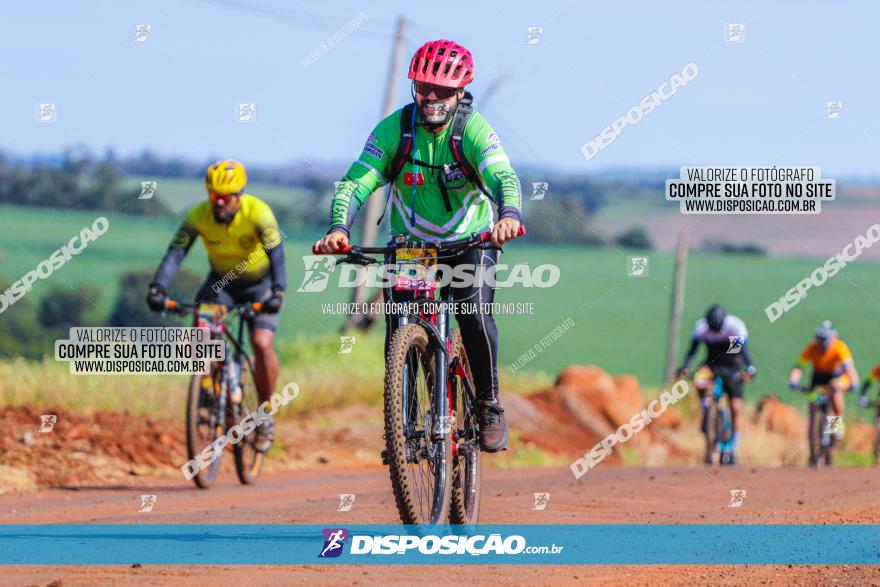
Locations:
{"points": [[442, 187]]}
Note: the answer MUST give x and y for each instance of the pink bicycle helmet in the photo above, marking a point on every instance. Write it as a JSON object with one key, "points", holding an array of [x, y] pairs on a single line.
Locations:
{"points": [[442, 63]]}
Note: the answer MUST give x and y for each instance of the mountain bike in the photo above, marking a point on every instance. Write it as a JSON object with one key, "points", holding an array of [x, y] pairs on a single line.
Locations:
{"points": [[221, 398], [431, 432], [821, 433], [718, 427]]}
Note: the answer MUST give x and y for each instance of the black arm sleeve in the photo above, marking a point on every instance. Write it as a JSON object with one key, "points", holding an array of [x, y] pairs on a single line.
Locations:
{"points": [[745, 354], [277, 270], [695, 344], [177, 251], [169, 266]]}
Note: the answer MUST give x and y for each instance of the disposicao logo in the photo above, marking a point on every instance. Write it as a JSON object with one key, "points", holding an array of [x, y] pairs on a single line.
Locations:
{"points": [[334, 539]]}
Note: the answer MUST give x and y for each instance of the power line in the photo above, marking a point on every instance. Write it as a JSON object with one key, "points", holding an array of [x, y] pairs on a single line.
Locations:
{"points": [[308, 19]]}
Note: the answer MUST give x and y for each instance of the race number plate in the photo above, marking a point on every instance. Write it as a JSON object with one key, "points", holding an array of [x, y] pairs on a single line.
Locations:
{"points": [[210, 315], [415, 269]]}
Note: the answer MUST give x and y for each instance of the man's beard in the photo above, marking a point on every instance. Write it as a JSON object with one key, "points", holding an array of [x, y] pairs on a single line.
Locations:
{"points": [[436, 113], [223, 217]]}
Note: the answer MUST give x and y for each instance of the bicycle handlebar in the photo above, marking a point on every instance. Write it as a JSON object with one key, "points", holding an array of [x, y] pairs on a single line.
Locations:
{"points": [[178, 308], [453, 245]]}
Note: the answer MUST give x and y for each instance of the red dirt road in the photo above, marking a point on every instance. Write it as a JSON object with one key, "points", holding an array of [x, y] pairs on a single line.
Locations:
{"points": [[605, 495]]}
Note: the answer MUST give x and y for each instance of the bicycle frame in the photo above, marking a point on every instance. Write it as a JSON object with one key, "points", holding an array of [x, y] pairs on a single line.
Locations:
{"points": [[718, 389], [220, 329], [238, 344]]}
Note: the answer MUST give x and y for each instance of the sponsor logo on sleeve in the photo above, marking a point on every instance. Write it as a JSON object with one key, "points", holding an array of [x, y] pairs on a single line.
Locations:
{"points": [[181, 239], [494, 144], [371, 148]]}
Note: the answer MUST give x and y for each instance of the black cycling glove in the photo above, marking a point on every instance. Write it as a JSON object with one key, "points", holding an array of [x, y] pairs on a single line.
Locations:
{"points": [[156, 297], [273, 304]]}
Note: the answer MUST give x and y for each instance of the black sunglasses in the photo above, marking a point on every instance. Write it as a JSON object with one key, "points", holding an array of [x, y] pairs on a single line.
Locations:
{"points": [[442, 92]]}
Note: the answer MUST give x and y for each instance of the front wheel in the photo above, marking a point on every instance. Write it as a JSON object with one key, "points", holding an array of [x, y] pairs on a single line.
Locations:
{"points": [[820, 454], [205, 423], [419, 459], [467, 473], [725, 434], [248, 461], [712, 425]]}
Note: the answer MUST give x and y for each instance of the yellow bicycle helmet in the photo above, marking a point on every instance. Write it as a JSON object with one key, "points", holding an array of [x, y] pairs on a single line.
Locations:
{"points": [[226, 177]]}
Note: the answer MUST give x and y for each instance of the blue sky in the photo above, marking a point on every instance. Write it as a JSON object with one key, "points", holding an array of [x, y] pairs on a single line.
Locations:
{"points": [[759, 102]]}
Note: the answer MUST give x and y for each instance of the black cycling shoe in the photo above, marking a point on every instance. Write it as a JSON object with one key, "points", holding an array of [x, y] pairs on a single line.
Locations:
{"points": [[493, 426], [265, 436]]}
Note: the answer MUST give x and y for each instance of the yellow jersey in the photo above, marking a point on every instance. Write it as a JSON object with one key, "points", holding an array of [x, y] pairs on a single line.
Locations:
{"points": [[238, 247]]}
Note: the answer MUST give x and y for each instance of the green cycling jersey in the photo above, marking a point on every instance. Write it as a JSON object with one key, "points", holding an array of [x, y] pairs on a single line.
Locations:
{"points": [[417, 206]]}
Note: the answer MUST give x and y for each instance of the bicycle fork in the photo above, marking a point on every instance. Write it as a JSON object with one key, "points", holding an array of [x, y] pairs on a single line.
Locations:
{"points": [[826, 438], [442, 425]]}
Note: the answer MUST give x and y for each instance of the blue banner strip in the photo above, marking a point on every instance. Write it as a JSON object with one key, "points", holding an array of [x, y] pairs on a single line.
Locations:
{"points": [[623, 544]]}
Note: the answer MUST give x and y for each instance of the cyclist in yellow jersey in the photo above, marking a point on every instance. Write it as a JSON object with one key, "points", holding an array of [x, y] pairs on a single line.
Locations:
{"points": [[246, 255]]}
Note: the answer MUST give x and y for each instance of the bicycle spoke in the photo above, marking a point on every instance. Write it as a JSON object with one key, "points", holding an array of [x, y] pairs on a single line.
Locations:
{"points": [[417, 411]]}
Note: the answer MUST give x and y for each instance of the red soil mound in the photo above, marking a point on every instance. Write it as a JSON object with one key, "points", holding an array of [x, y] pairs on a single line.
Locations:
{"points": [[584, 405]]}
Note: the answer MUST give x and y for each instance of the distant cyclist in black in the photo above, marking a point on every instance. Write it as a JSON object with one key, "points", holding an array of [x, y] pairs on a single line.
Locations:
{"points": [[727, 356]]}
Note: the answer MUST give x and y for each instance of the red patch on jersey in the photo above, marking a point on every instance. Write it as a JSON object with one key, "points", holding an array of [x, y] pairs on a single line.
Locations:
{"points": [[408, 179]]}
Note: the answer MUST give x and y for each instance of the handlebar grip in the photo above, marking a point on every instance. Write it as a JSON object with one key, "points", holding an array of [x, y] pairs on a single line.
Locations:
{"points": [[170, 304], [345, 249], [486, 236], [257, 306]]}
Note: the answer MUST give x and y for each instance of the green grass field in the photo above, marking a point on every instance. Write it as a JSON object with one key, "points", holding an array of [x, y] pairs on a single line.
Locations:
{"points": [[620, 322]]}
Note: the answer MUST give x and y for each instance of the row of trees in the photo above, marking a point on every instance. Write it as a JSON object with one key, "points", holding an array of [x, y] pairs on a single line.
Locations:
{"points": [[29, 330], [76, 179]]}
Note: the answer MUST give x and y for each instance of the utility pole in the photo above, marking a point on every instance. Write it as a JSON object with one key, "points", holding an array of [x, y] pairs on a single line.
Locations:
{"points": [[677, 304], [375, 202]]}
